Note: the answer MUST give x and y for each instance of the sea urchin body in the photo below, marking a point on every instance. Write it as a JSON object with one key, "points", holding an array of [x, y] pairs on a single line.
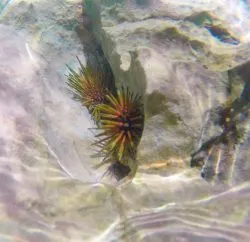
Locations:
{"points": [[121, 122], [88, 89]]}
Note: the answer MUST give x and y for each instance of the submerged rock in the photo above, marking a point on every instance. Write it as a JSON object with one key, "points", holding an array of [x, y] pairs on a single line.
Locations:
{"points": [[48, 190], [177, 56], [159, 54]]}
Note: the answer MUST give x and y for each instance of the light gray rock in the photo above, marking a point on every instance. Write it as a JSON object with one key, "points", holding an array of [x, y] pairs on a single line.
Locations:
{"points": [[49, 28], [178, 55], [160, 51], [48, 190]]}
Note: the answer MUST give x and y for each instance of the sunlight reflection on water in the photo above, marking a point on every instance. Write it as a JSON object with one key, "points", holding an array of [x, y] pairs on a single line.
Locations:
{"points": [[49, 191]]}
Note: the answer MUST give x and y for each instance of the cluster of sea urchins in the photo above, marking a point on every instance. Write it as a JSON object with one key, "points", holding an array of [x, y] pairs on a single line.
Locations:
{"points": [[119, 117]]}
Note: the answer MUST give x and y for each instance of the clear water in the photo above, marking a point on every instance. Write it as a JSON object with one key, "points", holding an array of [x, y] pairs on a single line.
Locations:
{"points": [[48, 188]]}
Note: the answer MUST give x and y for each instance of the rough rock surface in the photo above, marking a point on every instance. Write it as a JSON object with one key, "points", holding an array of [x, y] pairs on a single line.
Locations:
{"points": [[48, 192], [177, 54], [51, 36]]}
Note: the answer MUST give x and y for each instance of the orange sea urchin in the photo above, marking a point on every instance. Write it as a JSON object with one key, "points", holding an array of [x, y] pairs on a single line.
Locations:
{"points": [[88, 89], [121, 122], [118, 115]]}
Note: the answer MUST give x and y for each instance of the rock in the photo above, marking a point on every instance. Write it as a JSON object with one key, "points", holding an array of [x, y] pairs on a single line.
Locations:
{"points": [[48, 190], [52, 37], [155, 49], [49, 28], [190, 222], [178, 58], [47, 183]]}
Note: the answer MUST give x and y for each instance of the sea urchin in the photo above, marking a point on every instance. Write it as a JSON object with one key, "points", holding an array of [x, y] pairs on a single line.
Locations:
{"points": [[88, 89], [121, 122], [118, 115]]}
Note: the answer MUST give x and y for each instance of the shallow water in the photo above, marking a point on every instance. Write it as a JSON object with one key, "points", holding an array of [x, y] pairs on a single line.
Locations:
{"points": [[49, 190]]}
